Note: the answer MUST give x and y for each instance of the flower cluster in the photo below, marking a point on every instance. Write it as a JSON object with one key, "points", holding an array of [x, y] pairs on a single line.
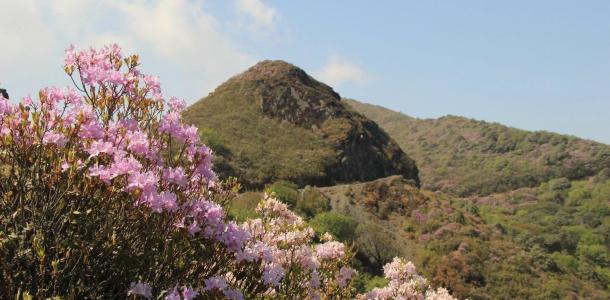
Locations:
{"points": [[292, 262], [405, 283]]}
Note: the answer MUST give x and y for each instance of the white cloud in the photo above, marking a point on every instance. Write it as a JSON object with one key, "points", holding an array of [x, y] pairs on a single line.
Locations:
{"points": [[262, 15], [178, 40], [338, 71]]}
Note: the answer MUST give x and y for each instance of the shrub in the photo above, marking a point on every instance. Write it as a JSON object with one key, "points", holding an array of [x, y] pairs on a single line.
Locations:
{"points": [[340, 226], [312, 202], [109, 187], [286, 192]]}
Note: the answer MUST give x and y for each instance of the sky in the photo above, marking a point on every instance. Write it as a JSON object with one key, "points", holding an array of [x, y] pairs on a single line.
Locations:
{"points": [[535, 65]]}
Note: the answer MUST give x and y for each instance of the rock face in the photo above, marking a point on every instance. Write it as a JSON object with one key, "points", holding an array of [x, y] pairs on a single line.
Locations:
{"points": [[287, 93], [276, 90]]}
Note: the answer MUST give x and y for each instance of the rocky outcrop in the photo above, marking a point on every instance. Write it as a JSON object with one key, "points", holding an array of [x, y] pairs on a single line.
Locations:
{"points": [[4, 93]]}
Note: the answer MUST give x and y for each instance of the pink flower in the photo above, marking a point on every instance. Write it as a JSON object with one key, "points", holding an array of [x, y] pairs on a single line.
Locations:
{"points": [[5, 107], [345, 275], [103, 173], [26, 101], [215, 282], [193, 228], [126, 165], [189, 293], [175, 175], [152, 82], [177, 105], [70, 57], [173, 295], [147, 182], [65, 166], [168, 201], [330, 250], [116, 77], [54, 138], [314, 281], [98, 148], [399, 269], [234, 237], [272, 274], [232, 294], [138, 142], [140, 289]]}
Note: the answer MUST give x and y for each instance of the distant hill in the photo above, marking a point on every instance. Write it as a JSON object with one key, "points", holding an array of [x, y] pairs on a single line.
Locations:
{"points": [[274, 121], [468, 157]]}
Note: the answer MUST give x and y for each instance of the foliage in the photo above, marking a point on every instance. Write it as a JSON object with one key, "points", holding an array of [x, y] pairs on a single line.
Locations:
{"points": [[342, 227], [311, 202], [501, 246], [565, 232], [286, 192], [257, 150], [467, 157], [275, 122]]}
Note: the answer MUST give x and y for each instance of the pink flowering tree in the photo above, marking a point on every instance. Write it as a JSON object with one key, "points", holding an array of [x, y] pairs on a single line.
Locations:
{"points": [[103, 185], [105, 193]]}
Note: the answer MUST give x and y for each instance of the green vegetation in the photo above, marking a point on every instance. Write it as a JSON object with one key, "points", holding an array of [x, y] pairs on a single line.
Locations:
{"points": [[466, 157], [342, 227], [566, 230], [253, 148], [507, 250], [274, 122]]}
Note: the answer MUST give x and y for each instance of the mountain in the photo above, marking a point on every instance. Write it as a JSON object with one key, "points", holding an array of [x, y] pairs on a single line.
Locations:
{"points": [[466, 157], [274, 122]]}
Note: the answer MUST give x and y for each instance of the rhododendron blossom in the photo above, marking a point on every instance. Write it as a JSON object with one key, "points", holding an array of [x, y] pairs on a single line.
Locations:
{"points": [[405, 283]]}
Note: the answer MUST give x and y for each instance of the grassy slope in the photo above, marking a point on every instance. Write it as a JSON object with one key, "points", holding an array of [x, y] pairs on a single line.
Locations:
{"points": [[468, 157], [274, 121], [252, 147]]}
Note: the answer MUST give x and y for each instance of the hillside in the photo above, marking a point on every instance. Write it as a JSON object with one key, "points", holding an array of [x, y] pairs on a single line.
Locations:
{"points": [[276, 122], [505, 246], [546, 242], [467, 157]]}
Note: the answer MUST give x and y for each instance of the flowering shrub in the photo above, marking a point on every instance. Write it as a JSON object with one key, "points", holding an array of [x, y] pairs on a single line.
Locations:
{"points": [[405, 283], [283, 242], [105, 193]]}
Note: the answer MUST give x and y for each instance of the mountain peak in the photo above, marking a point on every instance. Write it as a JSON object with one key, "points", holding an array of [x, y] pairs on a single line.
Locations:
{"points": [[286, 92], [317, 138], [276, 70]]}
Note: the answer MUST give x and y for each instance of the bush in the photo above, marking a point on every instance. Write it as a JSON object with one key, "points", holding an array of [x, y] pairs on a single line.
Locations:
{"points": [[559, 184], [109, 188], [342, 227], [286, 192], [312, 202]]}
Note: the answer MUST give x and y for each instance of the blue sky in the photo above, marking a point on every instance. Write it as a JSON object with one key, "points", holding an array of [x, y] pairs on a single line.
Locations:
{"points": [[537, 65]]}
